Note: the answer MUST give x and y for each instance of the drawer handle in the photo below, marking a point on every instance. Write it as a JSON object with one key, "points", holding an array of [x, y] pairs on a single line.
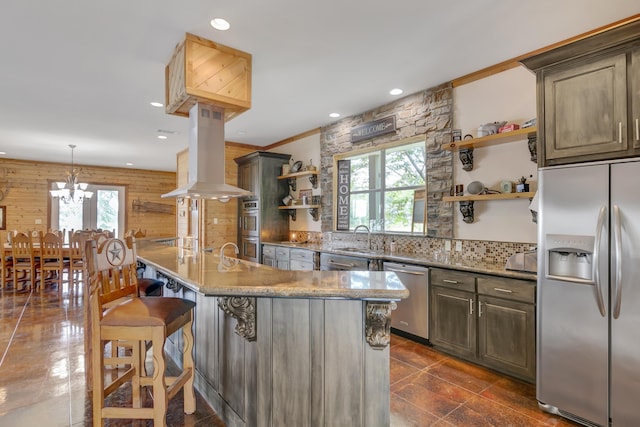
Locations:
{"points": [[341, 264], [454, 282], [508, 291]]}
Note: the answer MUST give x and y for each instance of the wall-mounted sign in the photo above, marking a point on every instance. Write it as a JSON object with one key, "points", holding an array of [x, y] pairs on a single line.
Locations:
{"points": [[342, 206], [373, 129]]}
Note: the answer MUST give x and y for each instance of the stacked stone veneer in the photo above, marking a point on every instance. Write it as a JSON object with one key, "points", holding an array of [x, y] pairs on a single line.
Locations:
{"points": [[428, 113]]}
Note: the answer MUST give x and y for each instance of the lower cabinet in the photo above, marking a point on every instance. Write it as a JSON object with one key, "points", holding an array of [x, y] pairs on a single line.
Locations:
{"points": [[485, 319], [285, 258]]}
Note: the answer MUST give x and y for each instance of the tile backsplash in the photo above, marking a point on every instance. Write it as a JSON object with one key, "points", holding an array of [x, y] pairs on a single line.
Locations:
{"points": [[472, 250]]}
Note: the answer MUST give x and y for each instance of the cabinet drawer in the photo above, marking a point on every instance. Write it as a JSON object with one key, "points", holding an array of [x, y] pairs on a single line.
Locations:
{"points": [[340, 262], [302, 254], [300, 265], [453, 279], [282, 252], [269, 251], [512, 289]]}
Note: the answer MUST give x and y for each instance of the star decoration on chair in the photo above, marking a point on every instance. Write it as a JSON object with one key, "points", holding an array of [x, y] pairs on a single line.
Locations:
{"points": [[114, 252]]}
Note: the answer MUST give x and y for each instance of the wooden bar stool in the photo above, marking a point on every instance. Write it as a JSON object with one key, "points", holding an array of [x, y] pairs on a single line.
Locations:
{"points": [[111, 266]]}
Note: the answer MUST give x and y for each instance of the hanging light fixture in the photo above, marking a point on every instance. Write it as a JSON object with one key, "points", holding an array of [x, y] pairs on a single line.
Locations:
{"points": [[71, 190]]}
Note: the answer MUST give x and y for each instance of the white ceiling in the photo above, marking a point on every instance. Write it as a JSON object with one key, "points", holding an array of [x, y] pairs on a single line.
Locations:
{"points": [[84, 71]]}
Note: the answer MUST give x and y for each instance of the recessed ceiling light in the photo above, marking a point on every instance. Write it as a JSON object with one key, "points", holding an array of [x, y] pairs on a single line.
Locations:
{"points": [[241, 132], [395, 91], [162, 136], [334, 115], [156, 104], [129, 164], [220, 24], [2, 153]]}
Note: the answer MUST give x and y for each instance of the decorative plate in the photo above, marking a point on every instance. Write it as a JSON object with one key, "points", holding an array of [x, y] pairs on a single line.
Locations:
{"points": [[296, 166]]}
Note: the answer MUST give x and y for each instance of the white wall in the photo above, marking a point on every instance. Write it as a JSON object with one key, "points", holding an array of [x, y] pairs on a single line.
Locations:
{"points": [[304, 149], [510, 96]]}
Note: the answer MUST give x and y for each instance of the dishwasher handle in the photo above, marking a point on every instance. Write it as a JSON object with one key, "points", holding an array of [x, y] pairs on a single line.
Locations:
{"points": [[395, 270]]}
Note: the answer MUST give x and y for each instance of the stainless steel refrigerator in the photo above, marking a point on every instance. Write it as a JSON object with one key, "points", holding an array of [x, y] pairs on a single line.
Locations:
{"points": [[588, 319]]}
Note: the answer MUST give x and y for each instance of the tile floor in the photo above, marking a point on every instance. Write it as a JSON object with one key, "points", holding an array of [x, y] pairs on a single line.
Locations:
{"points": [[42, 377]]}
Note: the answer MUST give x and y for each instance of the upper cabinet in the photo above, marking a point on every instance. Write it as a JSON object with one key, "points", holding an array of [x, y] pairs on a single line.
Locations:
{"points": [[584, 91]]}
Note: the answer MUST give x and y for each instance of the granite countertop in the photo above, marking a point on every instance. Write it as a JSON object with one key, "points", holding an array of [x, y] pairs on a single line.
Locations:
{"points": [[201, 272], [417, 259]]}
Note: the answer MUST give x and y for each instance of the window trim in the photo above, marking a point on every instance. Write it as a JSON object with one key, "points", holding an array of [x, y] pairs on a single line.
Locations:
{"points": [[359, 152]]}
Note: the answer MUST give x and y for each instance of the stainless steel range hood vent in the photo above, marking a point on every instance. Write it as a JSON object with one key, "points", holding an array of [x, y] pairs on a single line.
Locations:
{"points": [[206, 170]]}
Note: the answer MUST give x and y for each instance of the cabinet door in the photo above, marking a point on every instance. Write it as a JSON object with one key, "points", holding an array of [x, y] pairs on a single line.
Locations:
{"points": [[635, 98], [248, 176], [282, 264], [585, 111], [268, 260], [506, 336], [453, 321]]}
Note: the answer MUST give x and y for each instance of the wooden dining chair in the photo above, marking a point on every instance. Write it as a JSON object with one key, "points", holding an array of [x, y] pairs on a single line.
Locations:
{"points": [[24, 261], [52, 263], [76, 261], [6, 266], [111, 268]]}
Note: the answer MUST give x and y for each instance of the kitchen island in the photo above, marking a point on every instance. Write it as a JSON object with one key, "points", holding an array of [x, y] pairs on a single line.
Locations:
{"points": [[277, 347]]}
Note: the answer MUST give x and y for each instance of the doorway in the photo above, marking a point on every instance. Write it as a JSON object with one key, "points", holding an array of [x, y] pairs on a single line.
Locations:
{"points": [[105, 210]]}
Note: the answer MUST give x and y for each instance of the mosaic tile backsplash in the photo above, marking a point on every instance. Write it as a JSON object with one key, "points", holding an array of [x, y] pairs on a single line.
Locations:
{"points": [[471, 250]]}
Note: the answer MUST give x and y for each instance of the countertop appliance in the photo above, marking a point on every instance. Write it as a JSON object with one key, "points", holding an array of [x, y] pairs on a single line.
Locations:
{"points": [[588, 351], [412, 314]]}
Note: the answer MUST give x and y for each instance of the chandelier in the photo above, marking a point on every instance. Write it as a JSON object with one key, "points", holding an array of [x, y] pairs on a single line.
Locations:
{"points": [[71, 190]]}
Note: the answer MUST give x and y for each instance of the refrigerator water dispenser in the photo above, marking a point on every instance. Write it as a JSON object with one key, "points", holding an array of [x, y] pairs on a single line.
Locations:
{"points": [[570, 258]]}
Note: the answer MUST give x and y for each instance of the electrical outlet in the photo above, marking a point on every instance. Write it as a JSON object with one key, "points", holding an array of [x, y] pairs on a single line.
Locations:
{"points": [[215, 221], [458, 246], [38, 221], [447, 245]]}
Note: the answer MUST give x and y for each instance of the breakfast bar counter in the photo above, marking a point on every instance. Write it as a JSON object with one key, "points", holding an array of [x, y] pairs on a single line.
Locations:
{"points": [[276, 347]]}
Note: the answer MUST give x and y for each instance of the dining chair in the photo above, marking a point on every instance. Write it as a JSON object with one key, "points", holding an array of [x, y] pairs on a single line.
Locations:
{"points": [[52, 263], [6, 266], [76, 262], [24, 260], [111, 268]]}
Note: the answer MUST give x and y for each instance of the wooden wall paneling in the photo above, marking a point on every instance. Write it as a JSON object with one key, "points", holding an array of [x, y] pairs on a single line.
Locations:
{"points": [[26, 188], [226, 230]]}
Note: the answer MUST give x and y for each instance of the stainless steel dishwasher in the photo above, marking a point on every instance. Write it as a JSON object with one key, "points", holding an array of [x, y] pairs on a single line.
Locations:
{"points": [[412, 314]]}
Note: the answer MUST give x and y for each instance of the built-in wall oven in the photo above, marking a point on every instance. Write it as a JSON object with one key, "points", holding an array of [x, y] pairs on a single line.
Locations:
{"points": [[412, 314], [249, 224]]}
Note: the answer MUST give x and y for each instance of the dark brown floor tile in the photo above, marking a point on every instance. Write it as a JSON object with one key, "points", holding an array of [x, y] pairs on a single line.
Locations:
{"points": [[405, 414], [466, 375], [417, 355], [480, 411], [400, 370], [431, 394], [521, 396]]}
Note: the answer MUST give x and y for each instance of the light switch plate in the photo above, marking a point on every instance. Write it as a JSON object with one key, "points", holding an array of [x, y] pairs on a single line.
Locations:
{"points": [[458, 246], [447, 245]]}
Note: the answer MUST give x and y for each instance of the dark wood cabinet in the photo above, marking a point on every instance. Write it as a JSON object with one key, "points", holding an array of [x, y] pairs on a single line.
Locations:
{"points": [[486, 319], [506, 336], [260, 218], [454, 321], [585, 109], [588, 96]]}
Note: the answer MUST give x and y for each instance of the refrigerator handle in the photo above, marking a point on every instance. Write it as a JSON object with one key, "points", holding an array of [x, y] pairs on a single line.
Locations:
{"points": [[596, 256], [617, 241]]}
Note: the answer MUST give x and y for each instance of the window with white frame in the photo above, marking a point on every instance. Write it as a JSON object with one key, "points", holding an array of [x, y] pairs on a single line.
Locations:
{"points": [[383, 182]]}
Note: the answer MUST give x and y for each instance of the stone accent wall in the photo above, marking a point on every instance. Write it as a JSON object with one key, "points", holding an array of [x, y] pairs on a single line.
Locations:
{"points": [[429, 113]]}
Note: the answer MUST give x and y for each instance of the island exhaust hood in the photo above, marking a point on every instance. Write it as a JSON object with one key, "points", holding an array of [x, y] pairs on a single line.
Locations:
{"points": [[206, 170]]}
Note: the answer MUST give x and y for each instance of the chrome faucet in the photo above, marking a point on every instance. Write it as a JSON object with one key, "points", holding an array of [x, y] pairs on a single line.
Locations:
{"points": [[226, 263], [235, 247], [368, 234]]}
